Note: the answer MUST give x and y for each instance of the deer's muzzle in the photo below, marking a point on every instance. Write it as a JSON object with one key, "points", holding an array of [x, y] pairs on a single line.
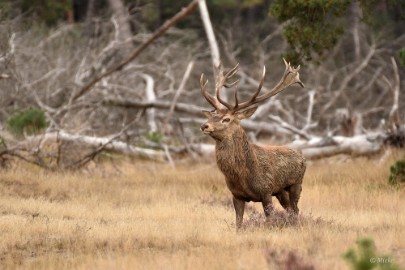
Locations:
{"points": [[205, 128]]}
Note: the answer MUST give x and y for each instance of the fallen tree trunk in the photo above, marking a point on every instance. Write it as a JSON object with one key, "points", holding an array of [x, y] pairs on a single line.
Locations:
{"points": [[315, 148], [109, 145], [359, 145]]}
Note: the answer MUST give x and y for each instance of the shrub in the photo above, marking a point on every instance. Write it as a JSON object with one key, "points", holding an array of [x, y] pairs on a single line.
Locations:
{"points": [[402, 56], [366, 257], [2, 142], [29, 121], [397, 175], [155, 136]]}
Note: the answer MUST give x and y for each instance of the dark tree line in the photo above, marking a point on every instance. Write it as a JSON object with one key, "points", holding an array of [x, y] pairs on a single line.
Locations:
{"points": [[311, 28]]}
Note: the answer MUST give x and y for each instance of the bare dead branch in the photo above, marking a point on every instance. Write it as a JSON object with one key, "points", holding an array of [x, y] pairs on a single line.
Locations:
{"points": [[178, 92], [11, 50], [159, 104], [343, 85], [180, 15], [4, 76], [289, 127]]}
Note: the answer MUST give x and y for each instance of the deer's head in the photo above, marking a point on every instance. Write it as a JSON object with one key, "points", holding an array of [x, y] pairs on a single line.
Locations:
{"points": [[225, 118]]}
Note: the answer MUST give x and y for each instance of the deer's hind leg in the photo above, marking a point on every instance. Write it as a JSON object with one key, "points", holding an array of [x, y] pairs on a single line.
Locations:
{"points": [[284, 199], [294, 193]]}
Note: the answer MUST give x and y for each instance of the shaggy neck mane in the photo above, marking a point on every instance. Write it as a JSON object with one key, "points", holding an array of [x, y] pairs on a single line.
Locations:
{"points": [[234, 154]]}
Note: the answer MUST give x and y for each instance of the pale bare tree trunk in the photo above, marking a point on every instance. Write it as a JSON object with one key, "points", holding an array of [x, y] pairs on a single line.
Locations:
{"points": [[90, 10], [215, 55], [151, 97], [355, 16], [124, 33], [394, 121], [205, 17]]}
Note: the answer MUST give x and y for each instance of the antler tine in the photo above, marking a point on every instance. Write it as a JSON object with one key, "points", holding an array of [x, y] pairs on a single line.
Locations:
{"points": [[212, 100], [251, 101], [290, 69], [222, 82], [230, 74], [223, 102], [236, 100], [289, 77], [260, 85]]}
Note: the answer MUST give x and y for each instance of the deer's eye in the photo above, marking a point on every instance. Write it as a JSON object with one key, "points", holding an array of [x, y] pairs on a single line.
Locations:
{"points": [[226, 120]]}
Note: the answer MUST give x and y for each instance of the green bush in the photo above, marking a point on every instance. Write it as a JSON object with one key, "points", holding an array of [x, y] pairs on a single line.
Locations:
{"points": [[2, 143], [313, 26], [397, 175], [29, 121], [155, 137], [366, 257], [402, 56]]}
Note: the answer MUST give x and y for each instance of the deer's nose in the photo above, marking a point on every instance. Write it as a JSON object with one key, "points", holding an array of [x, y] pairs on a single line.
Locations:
{"points": [[204, 126]]}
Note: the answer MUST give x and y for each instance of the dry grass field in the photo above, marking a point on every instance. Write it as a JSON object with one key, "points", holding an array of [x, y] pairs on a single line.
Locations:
{"points": [[149, 216]]}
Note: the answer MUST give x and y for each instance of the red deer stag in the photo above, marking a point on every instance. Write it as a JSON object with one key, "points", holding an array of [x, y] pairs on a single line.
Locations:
{"points": [[252, 172]]}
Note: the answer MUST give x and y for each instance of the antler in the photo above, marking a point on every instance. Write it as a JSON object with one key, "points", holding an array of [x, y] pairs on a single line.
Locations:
{"points": [[290, 77], [211, 100], [222, 80]]}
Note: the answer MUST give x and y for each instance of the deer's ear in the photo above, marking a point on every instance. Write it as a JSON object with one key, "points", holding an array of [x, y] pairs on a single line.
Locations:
{"points": [[207, 114], [246, 113]]}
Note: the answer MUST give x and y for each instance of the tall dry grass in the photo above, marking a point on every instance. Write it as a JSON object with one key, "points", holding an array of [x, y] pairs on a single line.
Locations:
{"points": [[150, 216]]}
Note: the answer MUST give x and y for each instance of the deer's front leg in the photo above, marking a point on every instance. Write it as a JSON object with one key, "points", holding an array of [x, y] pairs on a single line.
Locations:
{"points": [[239, 210]]}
